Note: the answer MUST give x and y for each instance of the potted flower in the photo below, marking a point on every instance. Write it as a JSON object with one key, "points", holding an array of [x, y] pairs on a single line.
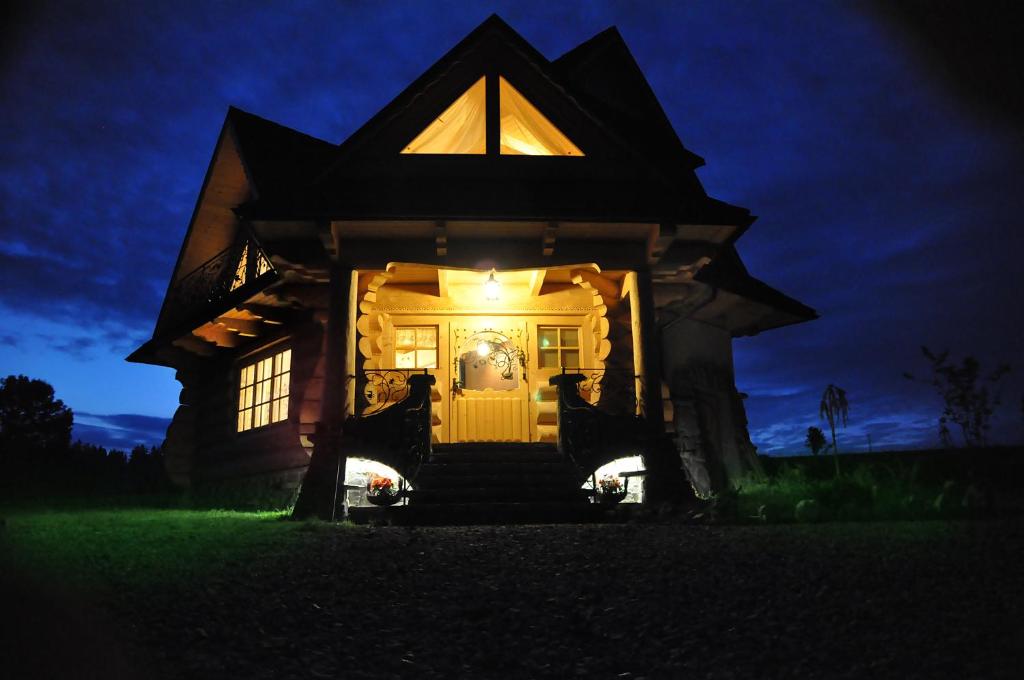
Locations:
{"points": [[609, 490], [382, 491]]}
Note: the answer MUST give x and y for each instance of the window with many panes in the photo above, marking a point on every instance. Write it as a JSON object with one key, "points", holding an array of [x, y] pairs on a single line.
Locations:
{"points": [[416, 347], [558, 347], [263, 391]]}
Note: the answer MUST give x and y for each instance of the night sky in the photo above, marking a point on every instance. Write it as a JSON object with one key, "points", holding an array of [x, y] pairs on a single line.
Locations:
{"points": [[880, 152]]}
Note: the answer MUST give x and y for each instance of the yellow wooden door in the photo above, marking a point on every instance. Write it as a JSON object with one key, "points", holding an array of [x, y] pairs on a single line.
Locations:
{"points": [[490, 390]]}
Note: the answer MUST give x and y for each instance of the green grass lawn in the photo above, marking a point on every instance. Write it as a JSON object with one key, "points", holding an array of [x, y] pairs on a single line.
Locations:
{"points": [[144, 547]]}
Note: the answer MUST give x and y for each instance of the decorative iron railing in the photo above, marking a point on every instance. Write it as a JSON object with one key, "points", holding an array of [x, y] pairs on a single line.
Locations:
{"points": [[379, 389], [213, 281], [588, 434], [613, 391], [392, 421]]}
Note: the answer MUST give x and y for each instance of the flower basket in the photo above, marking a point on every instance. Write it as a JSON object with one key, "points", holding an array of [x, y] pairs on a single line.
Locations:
{"points": [[381, 491], [610, 497], [609, 491], [383, 499]]}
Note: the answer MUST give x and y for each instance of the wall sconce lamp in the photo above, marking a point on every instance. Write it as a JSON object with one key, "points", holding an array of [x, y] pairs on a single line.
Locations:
{"points": [[492, 287]]}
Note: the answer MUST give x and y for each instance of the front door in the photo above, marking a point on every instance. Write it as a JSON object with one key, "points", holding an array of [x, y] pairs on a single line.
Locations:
{"points": [[490, 393]]}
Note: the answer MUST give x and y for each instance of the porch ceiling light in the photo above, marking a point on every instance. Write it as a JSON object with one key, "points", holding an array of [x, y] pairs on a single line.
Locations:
{"points": [[492, 287]]}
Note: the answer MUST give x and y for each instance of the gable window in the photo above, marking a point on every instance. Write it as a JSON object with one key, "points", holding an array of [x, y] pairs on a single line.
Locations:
{"points": [[416, 347], [263, 391], [462, 127], [526, 131], [558, 347], [242, 272]]}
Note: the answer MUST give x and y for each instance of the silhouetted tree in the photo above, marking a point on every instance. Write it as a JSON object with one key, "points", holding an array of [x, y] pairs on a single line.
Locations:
{"points": [[968, 401], [31, 420], [815, 440], [834, 407]]}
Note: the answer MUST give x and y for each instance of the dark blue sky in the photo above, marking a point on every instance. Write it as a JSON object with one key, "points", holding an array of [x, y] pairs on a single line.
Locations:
{"points": [[889, 194]]}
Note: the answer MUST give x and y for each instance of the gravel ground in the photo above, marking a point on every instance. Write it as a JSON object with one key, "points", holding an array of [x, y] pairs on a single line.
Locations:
{"points": [[907, 600]]}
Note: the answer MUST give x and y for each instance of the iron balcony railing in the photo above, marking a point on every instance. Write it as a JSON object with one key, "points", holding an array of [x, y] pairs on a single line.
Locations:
{"points": [[210, 284]]}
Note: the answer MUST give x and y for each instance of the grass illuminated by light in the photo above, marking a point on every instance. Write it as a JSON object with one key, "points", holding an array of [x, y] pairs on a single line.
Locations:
{"points": [[129, 547]]}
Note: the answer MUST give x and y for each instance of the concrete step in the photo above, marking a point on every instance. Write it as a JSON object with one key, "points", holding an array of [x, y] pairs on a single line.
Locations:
{"points": [[495, 495], [496, 473], [462, 469], [465, 514]]}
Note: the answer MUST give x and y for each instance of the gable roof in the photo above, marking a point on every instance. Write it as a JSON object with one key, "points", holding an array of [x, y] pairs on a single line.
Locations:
{"points": [[728, 272], [603, 74], [634, 167], [277, 159]]}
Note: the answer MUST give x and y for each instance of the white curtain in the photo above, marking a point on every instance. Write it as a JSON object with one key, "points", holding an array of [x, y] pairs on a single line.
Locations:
{"points": [[525, 130], [462, 128]]}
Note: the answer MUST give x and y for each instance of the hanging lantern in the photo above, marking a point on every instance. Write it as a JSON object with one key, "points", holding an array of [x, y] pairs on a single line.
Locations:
{"points": [[492, 287]]}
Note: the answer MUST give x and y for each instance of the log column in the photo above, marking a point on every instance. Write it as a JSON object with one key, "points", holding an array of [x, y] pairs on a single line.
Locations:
{"points": [[665, 480], [319, 495]]}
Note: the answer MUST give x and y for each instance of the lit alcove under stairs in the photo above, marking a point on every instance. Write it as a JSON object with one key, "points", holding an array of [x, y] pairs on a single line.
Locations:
{"points": [[491, 483]]}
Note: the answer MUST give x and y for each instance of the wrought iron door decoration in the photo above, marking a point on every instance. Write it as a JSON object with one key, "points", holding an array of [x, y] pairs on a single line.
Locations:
{"points": [[488, 348]]}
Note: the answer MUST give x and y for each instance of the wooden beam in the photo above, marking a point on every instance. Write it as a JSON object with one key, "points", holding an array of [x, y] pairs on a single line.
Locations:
{"points": [[247, 327], [441, 238], [608, 289], [219, 335], [548, 239], [442, 282], [194, 345], [537, 281], [269, 313], [660, 239]]}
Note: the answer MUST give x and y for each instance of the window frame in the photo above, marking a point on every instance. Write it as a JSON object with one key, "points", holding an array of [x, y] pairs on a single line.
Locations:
{"points": [[278, 399], [559, 347], [416, 347]]}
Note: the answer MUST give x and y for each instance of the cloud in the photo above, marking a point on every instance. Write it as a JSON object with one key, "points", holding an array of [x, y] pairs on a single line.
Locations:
{"points": [[121, 430]]}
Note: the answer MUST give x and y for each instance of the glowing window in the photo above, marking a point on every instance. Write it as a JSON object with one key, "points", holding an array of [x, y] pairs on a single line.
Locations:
{"points": [[526, 131], [416, 347], [261, 266], [558, 347], [460, 129], [263, 391]]}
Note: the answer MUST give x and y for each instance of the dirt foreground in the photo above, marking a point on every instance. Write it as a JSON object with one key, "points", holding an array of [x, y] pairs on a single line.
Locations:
{"points": [[908, 600]]}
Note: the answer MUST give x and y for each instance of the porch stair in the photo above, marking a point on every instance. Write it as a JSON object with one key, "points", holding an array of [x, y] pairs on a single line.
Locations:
{"points": [[490, 483]]}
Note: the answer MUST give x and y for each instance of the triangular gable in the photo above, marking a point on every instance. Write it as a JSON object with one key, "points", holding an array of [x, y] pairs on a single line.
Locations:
{"points": [[527, 131], [493, 49], [277, 159], [603, 74], [460, 129], [213, 228]]}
